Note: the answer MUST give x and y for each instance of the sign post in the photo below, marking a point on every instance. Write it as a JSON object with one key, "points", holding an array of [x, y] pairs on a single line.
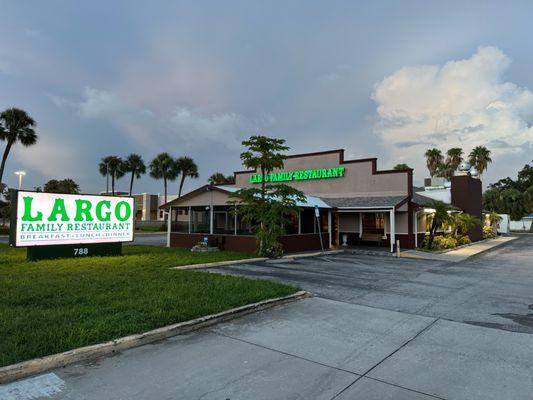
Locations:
{"points": [[317, 215], [53, 225]]}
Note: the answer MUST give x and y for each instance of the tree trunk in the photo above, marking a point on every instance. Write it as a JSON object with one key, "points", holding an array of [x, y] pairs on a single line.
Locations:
{"points": [[113, 184], [131, 182], [181, 184], [4, 159], [432, 232], [165, 184]]}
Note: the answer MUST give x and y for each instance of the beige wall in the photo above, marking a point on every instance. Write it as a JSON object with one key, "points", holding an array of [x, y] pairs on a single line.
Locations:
{"points": [[203, 199], [348, 222], [358, 179]]}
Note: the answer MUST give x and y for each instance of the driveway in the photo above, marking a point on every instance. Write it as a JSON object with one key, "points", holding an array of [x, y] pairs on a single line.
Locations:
{"points": [[494, 289], [378, 328], [153, 239]]}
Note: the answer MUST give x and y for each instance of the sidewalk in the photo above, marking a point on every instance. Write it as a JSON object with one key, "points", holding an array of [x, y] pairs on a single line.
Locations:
{"points": [[459, 254]]}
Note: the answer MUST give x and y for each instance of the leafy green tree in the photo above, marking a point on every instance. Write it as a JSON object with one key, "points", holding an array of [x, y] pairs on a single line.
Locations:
{"points": [[505, 183], [479, 157], [528, 200], [15, 126], [112, 166], [134, 164], [219, 178], [163, 166], [525, 177], [513, 197], [268, 207], [61, 186], [401, 167], [434, 160], [188, 169], [440, 218]]}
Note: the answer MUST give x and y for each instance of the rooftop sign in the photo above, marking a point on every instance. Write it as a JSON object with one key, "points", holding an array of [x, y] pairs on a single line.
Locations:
{"points": [[300, 175], [44, 219]]}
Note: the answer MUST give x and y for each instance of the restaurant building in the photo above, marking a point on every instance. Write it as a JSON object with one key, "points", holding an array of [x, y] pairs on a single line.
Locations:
{"points": [[357, 204]]}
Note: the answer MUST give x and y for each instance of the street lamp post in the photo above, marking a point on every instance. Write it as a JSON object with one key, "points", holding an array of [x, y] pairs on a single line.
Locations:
{"points": [[20, 174]]}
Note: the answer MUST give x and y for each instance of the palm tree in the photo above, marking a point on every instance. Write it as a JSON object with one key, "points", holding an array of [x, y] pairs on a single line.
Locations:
{"points": [[480, 158], [163, 166], [15, 126], [464, 222], [187, 167], [441, 217], [134, 164], [218, 178], [112, 166], [494, 219], [454, 157], [434, 161]]}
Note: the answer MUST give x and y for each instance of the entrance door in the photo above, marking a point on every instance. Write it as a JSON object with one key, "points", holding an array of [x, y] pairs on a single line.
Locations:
{"points": [[374, 223]]}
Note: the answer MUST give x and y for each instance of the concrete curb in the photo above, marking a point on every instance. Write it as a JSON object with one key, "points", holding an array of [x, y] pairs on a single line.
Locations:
{"points": [[450, 256], [220, 263], [315, 254], [288, 257], [38, 365], [499, 244]]}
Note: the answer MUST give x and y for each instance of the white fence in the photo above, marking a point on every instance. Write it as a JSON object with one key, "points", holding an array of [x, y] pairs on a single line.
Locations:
{"points": [[524, 225]]}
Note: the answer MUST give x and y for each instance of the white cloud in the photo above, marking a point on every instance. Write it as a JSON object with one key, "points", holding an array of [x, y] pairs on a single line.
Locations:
{"points": [[225, 128], [183, 126], [49, 158], [462, 103]]}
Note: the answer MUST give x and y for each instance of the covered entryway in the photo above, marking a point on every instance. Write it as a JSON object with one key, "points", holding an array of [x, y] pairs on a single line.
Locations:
{"points": [[371, 221]]}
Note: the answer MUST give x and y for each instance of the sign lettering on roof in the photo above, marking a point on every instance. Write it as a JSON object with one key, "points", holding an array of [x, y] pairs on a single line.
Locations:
{"points": [[300, 175]]}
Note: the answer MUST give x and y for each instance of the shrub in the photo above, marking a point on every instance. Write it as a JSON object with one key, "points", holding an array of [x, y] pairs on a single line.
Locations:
{"points": [[441, 242], [463, 240], [488, 232]]}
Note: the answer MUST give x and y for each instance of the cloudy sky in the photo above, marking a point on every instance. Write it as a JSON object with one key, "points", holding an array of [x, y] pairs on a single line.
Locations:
{"points": [[384, 79]]}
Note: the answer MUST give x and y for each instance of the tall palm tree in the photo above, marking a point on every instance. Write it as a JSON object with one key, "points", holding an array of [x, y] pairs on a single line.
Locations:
{"points": [[434, 161], [15, 126], [187, 168], [480, 158], [134, 164], [163, 166], [454, 157], [112, 166]]}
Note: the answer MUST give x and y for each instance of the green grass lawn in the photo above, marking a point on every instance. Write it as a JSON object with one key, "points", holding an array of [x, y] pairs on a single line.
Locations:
{"points": [[47, 307]]}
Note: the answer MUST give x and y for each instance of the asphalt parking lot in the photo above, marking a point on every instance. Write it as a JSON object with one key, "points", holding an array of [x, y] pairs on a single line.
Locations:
{"points": [[494, 289], [378, 328]]}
